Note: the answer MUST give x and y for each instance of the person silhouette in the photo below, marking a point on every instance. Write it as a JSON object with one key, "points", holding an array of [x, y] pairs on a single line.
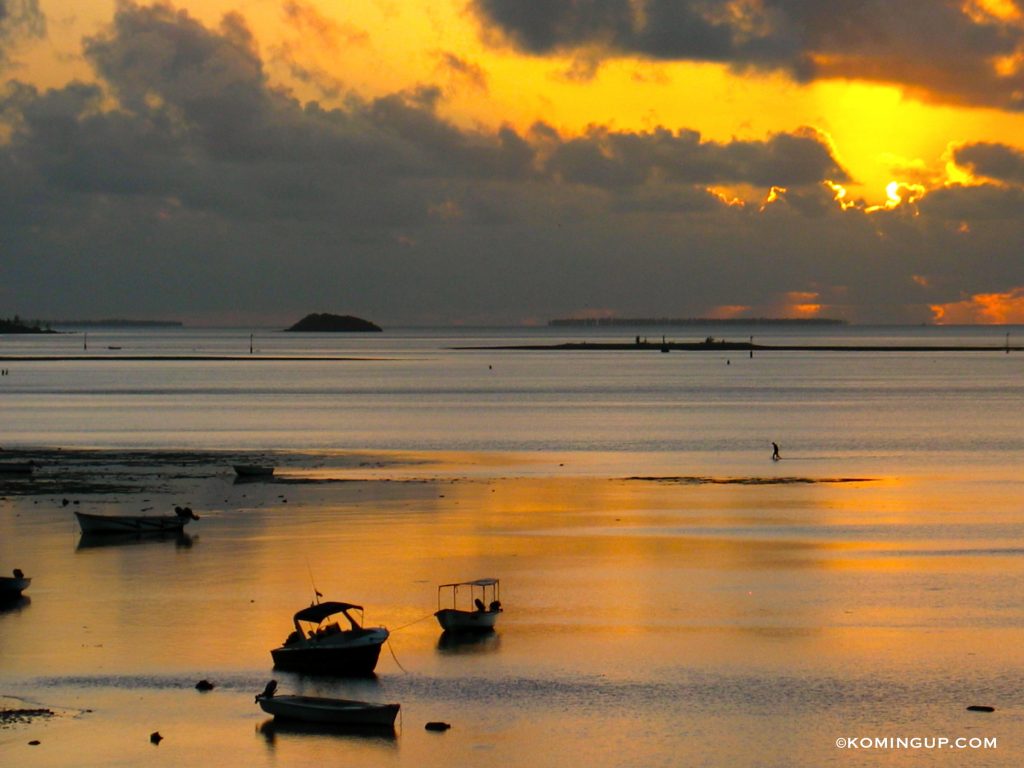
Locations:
{"points": [[775, 451]]}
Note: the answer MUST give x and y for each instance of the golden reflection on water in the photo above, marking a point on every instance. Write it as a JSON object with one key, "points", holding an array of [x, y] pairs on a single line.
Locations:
{"points": [[683, 588]]}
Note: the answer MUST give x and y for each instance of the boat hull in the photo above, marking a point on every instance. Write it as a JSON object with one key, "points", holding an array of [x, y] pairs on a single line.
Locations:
{"points": [[452, 620], [91, 524], [351, 661], [253, 470], [11, 587], [16, 467], [313, 709]]}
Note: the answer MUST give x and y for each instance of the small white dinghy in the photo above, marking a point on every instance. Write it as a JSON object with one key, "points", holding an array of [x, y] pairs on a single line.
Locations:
{"points": [[479, 615], [325, 711]]}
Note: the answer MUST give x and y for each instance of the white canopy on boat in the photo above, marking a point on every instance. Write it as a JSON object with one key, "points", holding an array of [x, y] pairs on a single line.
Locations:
{"points": [[475, 583]]}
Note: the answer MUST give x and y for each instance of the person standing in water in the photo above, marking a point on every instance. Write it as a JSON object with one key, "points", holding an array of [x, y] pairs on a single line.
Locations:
{"points": [[775, 451]]}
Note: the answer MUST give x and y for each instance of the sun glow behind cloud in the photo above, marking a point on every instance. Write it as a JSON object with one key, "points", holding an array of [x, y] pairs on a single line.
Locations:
{"points": [[690, 167], [997, 308], [326, 52]]}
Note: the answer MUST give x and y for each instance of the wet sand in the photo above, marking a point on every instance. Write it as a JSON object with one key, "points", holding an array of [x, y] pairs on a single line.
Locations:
{"points": [[652, 618]]}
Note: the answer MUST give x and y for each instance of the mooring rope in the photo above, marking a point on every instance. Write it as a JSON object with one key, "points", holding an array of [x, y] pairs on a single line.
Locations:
{"points": [[422, 618], [396, 658]]}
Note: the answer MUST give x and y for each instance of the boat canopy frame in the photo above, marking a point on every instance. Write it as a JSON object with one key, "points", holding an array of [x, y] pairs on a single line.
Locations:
{"points": [[482, 584], [318, 612]]}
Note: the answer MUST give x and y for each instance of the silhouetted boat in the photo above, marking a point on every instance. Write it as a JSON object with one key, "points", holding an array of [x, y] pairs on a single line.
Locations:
{"points": [[253, 470], [92, 524], [16, 467], [318, 644], [319, 709], [479, 614], [11, 587]]}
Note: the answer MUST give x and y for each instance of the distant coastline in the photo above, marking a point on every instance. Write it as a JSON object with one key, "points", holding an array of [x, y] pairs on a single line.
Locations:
{"points": [[117, 322], [17, 325], [689, 321]]}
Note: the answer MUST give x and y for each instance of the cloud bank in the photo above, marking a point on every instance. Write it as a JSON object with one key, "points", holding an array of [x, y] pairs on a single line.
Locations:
{"points": [[958, 51], [184, 183]]}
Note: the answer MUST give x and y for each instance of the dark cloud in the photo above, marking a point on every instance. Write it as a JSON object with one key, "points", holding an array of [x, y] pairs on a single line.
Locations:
{"points": [[184, 183], [994, 161], [941, 49], [614, 159], [986, 202]]}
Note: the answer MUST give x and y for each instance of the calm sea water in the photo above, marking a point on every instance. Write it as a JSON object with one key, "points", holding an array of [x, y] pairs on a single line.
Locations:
{"points": [[413, 390], [673, 597]]}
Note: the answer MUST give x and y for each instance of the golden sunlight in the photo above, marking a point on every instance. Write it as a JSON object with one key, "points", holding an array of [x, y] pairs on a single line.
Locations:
{"points": [[995, 308]]}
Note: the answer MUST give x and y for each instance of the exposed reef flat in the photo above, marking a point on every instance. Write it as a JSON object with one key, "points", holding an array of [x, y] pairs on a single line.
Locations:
{"points": [[789, 480], [716, 345]]}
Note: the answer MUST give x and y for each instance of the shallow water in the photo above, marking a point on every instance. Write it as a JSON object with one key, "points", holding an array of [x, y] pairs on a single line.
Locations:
{"points": [[672, 596]]}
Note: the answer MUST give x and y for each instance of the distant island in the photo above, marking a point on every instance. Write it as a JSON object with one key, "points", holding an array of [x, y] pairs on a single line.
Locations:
{"points": [[327, 323], [17, 325], [690, 321]]}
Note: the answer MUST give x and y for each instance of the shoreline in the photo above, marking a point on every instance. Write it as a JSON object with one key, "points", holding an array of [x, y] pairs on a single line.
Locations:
{"points": [[185, 358]]}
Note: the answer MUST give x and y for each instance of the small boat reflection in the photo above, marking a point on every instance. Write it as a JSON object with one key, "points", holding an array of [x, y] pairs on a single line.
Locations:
{"points": [[486, 641], [272, 728], [97, 540], [14, 604]]}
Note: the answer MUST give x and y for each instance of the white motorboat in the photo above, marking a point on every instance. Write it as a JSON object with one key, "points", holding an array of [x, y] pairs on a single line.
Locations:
{"points": [[478, 614], [318, 644]]}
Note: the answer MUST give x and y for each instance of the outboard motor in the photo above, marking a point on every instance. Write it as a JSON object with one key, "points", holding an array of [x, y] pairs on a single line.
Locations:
{"points": [[268, 691]]}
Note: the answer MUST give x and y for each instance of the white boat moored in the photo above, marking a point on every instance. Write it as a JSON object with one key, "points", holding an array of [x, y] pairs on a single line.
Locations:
{"points": [[479, 615]]}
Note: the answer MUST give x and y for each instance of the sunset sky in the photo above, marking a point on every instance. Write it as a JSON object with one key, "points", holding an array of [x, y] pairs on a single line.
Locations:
{"points": [[511, 161]]}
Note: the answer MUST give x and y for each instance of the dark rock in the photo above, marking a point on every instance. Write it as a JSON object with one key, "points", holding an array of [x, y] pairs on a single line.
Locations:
{"points": [[437, 725], [204, 685], [980, 708], [155, 737], [327, 323]]}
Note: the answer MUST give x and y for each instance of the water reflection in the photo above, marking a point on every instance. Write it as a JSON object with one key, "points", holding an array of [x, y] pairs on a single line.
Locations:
{"points": [[98, 540], [15, 604], [457, 643], [272, 728]]}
